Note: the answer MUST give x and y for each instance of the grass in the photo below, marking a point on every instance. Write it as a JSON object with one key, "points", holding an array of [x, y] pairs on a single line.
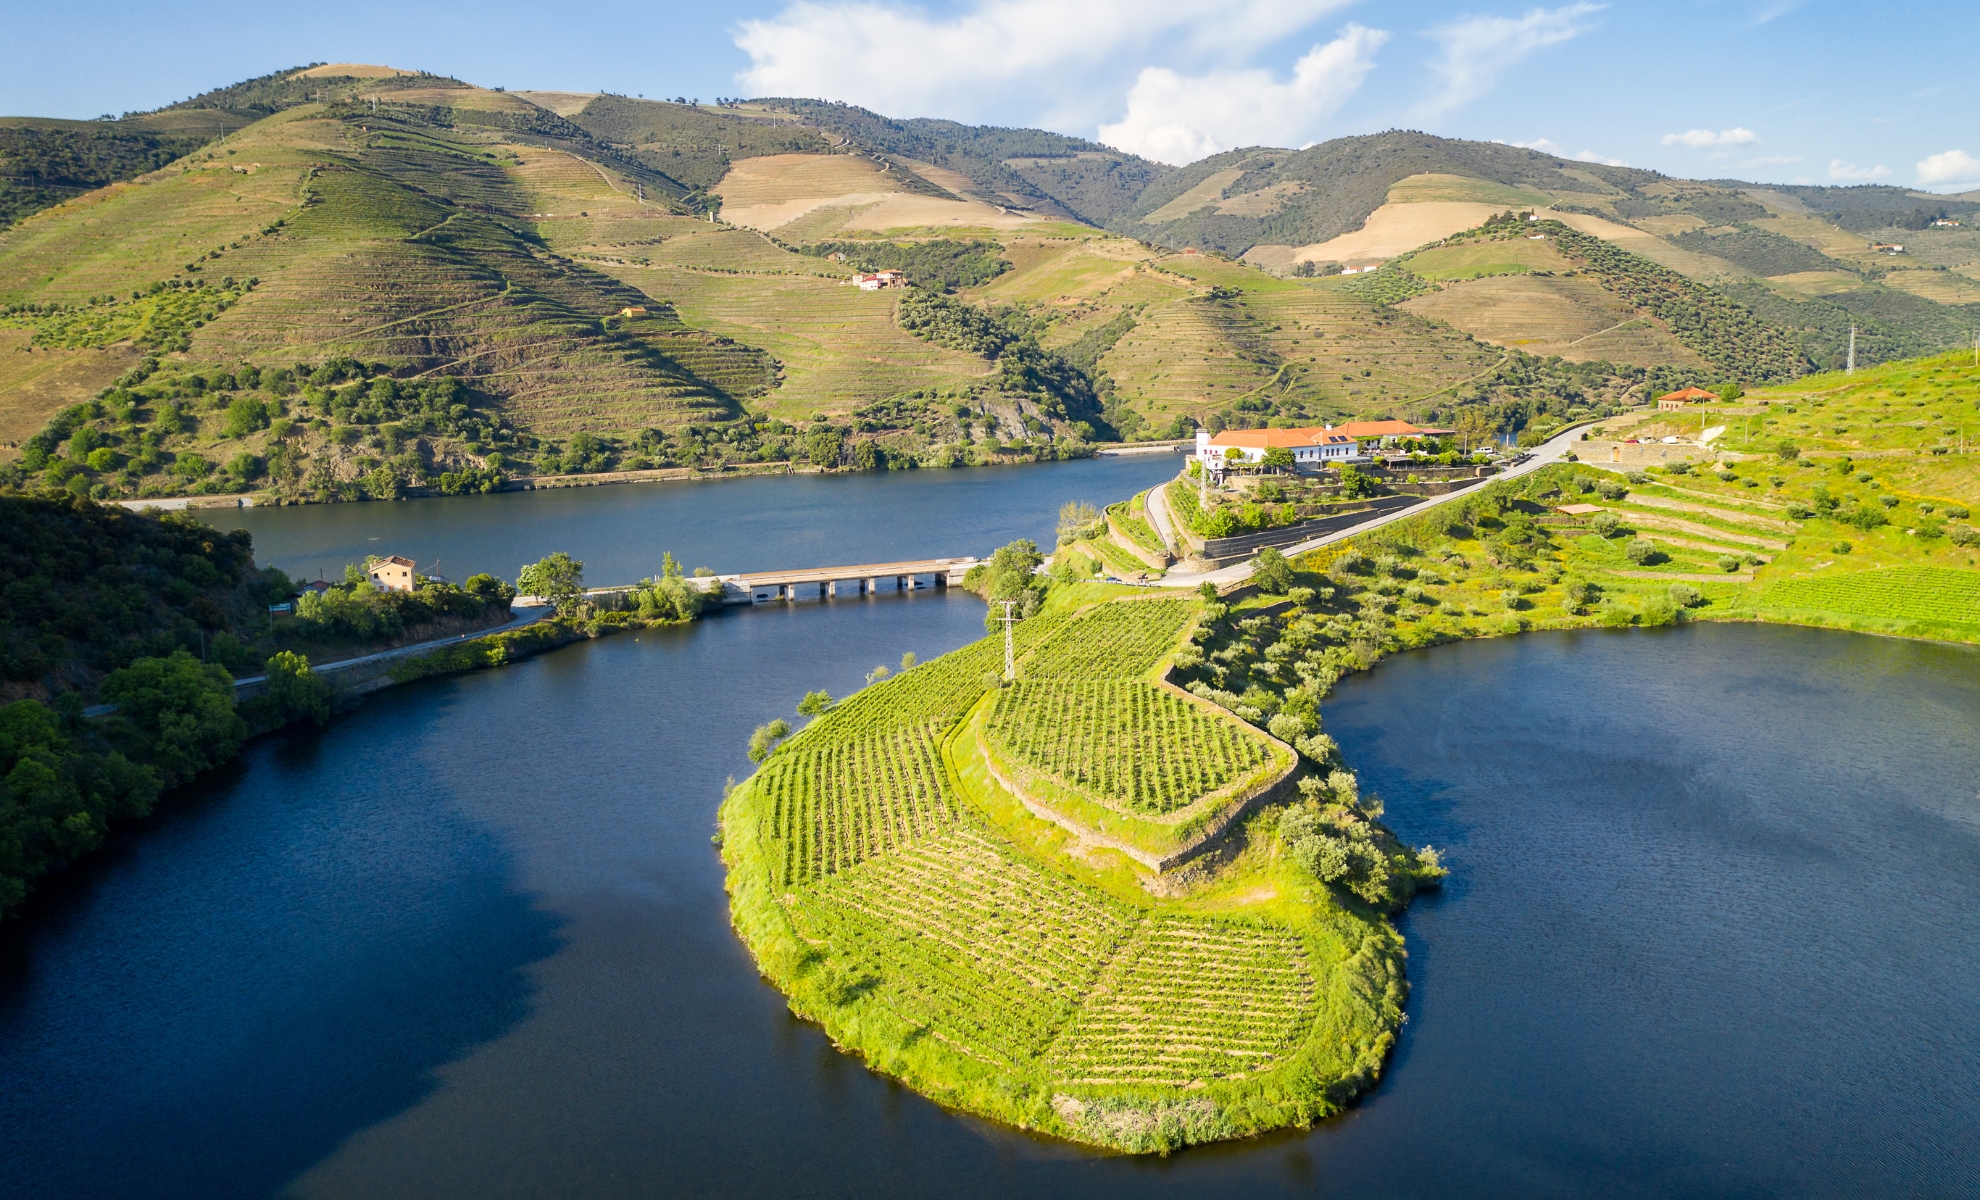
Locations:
{"points": [[992, 961]]}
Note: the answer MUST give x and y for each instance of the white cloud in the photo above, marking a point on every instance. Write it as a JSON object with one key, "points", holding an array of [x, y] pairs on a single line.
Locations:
{"points": [[1543, 145], [1591, 156], [904, 61], [1838, 169], [1699, 139], [1954, 166], [1477, 50], [1179, 119]]}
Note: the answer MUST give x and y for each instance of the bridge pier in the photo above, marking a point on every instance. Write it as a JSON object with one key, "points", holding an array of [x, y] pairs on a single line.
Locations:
{"points": [[870, 586]]}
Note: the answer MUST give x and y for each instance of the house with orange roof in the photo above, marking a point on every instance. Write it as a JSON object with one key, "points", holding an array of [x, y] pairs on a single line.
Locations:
{"points": [[1387, 433], [1672, 401], [1311, 448]]}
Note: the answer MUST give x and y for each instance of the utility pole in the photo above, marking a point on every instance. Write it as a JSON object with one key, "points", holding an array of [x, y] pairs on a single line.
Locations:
{"points": [[1010, 659], [1851, 368]]}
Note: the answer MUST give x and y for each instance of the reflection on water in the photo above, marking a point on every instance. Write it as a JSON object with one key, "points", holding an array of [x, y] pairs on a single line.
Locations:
{"points": [[1712, 930]]}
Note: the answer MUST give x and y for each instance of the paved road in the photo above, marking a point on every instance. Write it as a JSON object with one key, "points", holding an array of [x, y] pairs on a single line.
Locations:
{"points": [[522, 615], [1548, 452]]}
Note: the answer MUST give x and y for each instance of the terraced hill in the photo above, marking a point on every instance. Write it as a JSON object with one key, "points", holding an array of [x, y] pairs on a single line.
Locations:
{"points": [[426, 229], [995, 950]]}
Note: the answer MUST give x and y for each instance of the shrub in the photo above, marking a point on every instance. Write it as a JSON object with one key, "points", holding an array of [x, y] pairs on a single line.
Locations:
{"points": [[1678, 468], [1637, 477], [1641, 551], [764, 738], [1605, 524], [1787, 451], [1963, 535], [1799, 511], [1685, 596], [1888, 501], [1729, 563], [1611, 489], [1271, 572], [1865, 518], [1844, 547], [1957, 512]]}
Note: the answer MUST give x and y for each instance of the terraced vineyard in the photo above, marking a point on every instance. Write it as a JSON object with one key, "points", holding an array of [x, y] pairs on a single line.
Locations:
{"points": [[924, 923], [1122, 640], [1128, 745]]}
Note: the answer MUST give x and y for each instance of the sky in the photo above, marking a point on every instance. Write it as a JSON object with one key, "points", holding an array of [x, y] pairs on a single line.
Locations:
{"points": [[1782, 91]]}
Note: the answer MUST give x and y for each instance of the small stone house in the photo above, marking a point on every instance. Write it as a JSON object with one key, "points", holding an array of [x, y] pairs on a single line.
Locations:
{"points": [[392, 574], [1672, 401]]}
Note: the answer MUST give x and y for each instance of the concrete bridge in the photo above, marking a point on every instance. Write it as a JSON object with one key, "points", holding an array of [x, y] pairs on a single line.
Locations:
{"points": [[761, 587], [756, 587]]}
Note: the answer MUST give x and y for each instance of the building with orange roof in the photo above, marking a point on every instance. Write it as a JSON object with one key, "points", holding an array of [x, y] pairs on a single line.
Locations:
{"points": [[1311, 448], [1387, 432], [1671, 401]]}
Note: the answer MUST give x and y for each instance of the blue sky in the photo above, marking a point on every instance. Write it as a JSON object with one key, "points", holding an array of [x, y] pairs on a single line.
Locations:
{"points": [[1770, 90]]}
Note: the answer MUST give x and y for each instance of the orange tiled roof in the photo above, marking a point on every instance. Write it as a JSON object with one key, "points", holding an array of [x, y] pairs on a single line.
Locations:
{"points": [[1266, 439], [1369, 429], [1690, 393]]}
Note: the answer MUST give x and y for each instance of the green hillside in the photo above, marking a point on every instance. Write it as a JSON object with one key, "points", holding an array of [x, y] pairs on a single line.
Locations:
{"points": [[1298, 197], [362, 230]]}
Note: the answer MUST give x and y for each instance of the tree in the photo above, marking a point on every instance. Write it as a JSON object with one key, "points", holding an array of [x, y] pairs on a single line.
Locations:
{"points": [[1787, 450], [1208, 591], [1279, 458], [815, 704], [557, 580], [878, 673], [764, 738], [1078, 519], [1355, 482], [908, 661], [182, 708], [1472, 426], [1271, 572], [294, 691]]}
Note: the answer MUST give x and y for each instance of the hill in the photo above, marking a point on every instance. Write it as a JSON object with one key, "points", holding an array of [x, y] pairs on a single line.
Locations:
{"points": [[938, 855], [340, 249]]}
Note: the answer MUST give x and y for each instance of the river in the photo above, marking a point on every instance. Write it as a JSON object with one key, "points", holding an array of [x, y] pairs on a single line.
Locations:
{"points": [[1712, 928]]}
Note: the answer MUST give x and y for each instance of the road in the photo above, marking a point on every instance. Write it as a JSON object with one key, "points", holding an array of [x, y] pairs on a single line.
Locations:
{"points": [[1545, 454]]}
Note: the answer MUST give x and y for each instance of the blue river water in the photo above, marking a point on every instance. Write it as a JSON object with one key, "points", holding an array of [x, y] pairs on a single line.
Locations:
{"points": [[1712, 930]]}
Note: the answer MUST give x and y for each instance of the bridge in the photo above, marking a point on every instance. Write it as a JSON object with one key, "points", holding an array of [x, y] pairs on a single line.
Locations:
{"points": [[760, 587]]}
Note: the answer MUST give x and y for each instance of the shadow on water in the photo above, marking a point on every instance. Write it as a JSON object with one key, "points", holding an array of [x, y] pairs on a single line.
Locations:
{"points": [[282, 957]]}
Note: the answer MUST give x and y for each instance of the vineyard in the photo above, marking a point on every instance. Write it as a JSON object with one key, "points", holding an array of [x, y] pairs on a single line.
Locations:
{"points": [[957, 952], [1125, 744], [843, 801], [1189, 1000], [991, 952], [1122, 640], [1935, 594]]}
